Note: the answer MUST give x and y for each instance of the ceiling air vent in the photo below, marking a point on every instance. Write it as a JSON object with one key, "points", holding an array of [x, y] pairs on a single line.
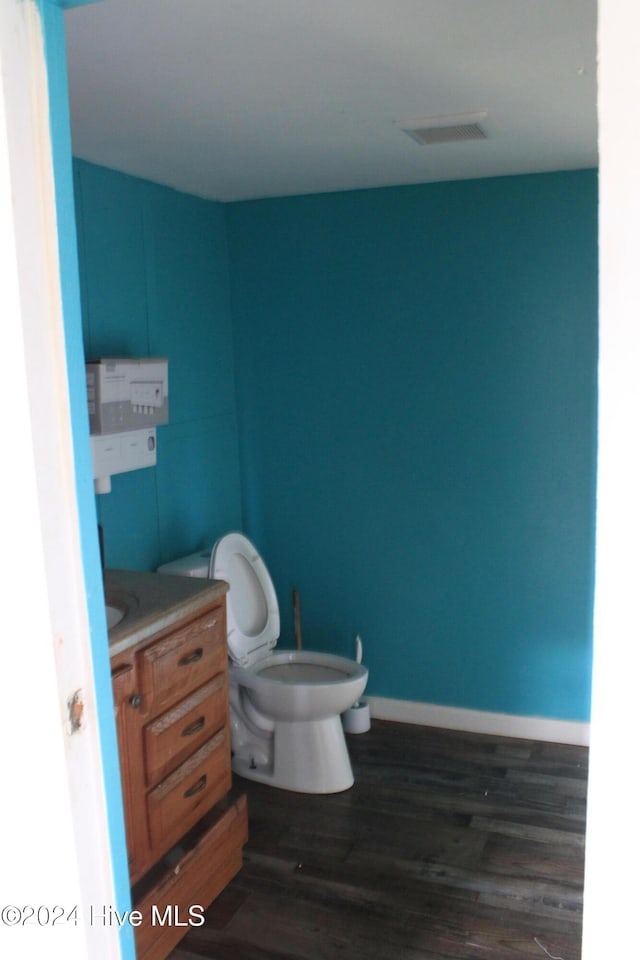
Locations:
{"points": [[444, 129]]}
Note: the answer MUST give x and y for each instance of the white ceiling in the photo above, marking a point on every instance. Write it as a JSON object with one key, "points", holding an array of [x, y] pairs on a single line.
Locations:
{"points": [[232, 99]]}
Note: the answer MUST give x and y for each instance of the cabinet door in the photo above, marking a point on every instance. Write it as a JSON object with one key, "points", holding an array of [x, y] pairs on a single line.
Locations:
{"points": [[126, 703]]}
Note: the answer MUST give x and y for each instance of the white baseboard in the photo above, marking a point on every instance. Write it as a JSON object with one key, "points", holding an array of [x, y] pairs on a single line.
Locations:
{"points": [[478, 721]]}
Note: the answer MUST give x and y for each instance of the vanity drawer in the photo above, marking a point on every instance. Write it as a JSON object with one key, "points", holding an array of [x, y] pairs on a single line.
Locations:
{"points": [[183, 797], [180, 731], [210, 856], [182, 662]]}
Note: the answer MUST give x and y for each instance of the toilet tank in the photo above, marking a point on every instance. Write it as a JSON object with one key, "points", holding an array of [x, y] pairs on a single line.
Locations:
{"points": [[195, 565]]}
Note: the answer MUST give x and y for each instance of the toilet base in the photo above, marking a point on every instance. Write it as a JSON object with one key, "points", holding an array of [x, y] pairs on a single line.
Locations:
{"points": [[303, 756]]}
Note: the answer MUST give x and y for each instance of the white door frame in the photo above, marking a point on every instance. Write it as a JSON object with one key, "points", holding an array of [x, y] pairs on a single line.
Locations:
{"points": [[56, 843], [613, 836]]}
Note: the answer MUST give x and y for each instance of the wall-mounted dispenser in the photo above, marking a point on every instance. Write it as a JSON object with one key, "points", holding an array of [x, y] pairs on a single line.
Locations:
{"points": [[127, 394], [127, 399]]}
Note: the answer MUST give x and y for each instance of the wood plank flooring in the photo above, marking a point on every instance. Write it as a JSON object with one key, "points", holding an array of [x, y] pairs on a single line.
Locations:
{"points": [[450, 846]]}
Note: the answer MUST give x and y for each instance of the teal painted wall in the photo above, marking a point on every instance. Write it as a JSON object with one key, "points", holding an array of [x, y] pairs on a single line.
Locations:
{"points": [[416, 384], [415, 372], [154, 279]]}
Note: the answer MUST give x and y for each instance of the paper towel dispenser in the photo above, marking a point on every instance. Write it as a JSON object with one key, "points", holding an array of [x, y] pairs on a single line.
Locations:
{"points": [[128, 399], [113, 453], [127, 394]]}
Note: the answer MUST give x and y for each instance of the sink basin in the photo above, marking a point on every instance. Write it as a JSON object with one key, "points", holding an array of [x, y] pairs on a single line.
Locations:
{"points": [[114, 615], [118, 604]]}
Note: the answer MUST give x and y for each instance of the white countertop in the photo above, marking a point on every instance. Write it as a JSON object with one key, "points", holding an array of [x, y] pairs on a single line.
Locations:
{"points": [[153, 602]]}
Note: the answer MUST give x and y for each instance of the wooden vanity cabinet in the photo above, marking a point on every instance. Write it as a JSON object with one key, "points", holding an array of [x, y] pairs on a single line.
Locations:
{"points": [[172, 720]]}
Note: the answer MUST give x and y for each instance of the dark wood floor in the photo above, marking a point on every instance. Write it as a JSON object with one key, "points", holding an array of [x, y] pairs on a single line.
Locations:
{"points": [[450, 845]]}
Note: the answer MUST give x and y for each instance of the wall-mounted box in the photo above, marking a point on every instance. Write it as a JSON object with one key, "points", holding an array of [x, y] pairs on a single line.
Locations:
{"points": [[127, 394], [120, 452]]}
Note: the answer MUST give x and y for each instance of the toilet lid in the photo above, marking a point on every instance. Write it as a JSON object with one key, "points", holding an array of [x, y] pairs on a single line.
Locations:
{"points": [[253, 617]]}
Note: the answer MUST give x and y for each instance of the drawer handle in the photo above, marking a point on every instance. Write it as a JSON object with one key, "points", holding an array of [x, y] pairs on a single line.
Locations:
{"points": [[191, 658], [197, 787], [193, 727]]}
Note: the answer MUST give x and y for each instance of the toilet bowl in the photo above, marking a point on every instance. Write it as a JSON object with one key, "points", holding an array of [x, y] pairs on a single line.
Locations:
{"points": [[285, 707]]}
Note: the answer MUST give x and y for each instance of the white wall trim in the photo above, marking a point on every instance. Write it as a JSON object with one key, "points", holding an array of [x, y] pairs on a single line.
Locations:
{"points": [[479, 721]]}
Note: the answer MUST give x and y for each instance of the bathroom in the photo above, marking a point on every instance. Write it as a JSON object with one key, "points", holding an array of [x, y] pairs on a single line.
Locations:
{"points": [[392, 392], [427, 483], [402, 418], [366, 468]]}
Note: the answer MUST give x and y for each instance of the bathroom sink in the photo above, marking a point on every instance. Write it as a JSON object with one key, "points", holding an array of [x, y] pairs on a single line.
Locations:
{"points": [[118, 604], [114, 615]]}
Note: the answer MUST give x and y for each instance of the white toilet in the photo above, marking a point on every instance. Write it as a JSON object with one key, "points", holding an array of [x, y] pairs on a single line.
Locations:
{"points": [[285, 707]]}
